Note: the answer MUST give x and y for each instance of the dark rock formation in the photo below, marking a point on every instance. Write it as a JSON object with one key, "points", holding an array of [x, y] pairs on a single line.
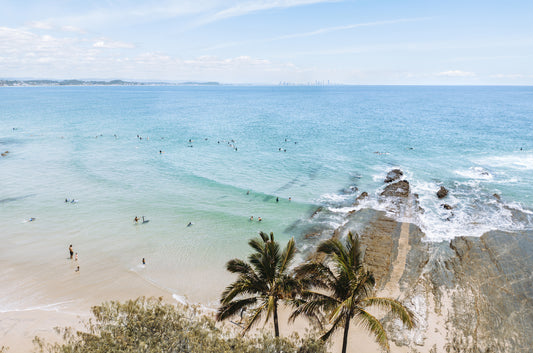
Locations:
{"points": [[446, 206], [393, 175], [398, 189], [442, 193], [471, 295], [363, 196]]}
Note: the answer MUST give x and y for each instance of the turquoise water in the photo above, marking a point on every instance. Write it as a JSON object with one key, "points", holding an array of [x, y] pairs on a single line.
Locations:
{"points": [[101, 146]]}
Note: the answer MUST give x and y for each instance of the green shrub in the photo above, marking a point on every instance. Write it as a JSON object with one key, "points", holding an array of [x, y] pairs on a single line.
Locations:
{"points": [[150, 326]]}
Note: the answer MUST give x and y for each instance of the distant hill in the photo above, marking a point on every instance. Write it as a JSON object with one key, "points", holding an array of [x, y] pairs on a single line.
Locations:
{"points": [[97, 83]]}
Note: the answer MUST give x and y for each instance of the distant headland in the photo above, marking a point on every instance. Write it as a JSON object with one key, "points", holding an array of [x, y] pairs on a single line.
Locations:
{"points": [[99, 83]]}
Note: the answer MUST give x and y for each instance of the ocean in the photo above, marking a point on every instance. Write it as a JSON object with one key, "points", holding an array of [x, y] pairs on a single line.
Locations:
{"points": [[198, 161]]}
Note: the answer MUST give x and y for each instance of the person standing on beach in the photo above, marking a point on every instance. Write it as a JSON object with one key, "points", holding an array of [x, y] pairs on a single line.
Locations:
{"points": [[71, 251]]}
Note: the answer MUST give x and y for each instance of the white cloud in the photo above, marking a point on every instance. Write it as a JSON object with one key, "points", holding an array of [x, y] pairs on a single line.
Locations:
{"points": [[456, 73], [317, 32], [109, 44], [244, 8], [40, 25]]}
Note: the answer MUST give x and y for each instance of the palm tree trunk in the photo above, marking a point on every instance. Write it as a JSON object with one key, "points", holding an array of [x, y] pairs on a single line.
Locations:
{"points": [[345, 338], [276, 325]]}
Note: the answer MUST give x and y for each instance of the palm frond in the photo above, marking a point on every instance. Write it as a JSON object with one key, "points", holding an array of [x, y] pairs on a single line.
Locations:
{"points": [[233, 308], [252, 320], [335, 325], [239, 266], [372, 324], [395, 307], [287, 256]]}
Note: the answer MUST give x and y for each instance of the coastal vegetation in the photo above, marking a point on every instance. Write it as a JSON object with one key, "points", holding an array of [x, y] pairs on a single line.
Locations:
{"points": [[149, 326], [331, 292], [261, 284], [340, 289]]}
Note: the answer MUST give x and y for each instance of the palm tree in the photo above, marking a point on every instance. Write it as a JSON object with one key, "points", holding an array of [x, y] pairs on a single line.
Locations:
{"points": [[261, 283], [343, 291]]}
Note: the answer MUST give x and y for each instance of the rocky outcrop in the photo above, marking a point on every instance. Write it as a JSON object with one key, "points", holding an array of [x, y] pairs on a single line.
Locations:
{"points": [[469, 295], [393, 175], [442, 193], [398, 189]]}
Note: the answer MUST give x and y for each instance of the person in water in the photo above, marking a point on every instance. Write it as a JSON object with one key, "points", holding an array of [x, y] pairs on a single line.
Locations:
{"points": [[144, 262], [136, 219], [76, 257], [71, 251], [190, 224]]}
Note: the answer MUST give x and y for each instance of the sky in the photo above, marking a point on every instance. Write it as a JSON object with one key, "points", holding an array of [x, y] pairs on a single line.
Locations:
{"points": [[453, 42]]}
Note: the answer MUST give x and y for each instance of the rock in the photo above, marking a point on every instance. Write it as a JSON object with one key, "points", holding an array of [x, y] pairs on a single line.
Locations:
{"points": [[393, 175], [398, 189], [363, 196], [497, 197], [446, 206], [349, 190], [442, 193]]}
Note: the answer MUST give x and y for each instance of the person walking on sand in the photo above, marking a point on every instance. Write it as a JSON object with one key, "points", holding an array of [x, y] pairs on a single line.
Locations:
{"points": [[71, 251]]}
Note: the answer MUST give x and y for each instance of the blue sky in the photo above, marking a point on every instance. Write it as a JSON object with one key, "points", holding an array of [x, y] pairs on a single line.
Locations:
{"points": [[244, 41]]}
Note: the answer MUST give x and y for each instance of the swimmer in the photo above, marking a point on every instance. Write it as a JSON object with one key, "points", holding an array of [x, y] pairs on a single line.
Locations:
{"points": [[248, 192], [190, 224], [259, 219], [290, 198], [31, 219], [136, 219], [277, 199], [66, 200], [251, 218]]}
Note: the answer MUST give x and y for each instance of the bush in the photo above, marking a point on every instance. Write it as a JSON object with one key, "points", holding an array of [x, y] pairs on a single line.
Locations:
{"points": [[149, 326]]}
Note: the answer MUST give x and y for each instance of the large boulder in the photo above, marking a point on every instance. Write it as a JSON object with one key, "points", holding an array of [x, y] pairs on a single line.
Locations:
{"points": [[398, 189], [393, 175], [442, 193]]}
